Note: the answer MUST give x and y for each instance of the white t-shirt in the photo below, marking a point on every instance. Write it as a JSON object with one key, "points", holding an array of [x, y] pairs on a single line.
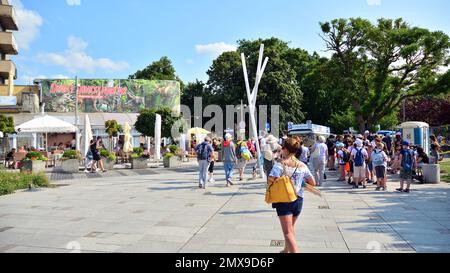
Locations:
{"points": [[378, 158], [323, 149], [341, 157]]}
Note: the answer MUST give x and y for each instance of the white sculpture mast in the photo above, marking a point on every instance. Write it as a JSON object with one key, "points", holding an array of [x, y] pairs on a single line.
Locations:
{"points": [[252, 96]]}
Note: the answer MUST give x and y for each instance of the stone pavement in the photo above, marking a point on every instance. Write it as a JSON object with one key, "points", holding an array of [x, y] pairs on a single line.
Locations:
{"points": [[164, 211]]}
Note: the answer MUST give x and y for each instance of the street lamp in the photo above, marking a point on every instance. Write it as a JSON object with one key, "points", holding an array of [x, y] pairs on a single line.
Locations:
{"points": [[242, 124]]}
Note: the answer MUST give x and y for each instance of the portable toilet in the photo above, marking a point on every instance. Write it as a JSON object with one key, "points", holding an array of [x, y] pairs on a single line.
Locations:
{"points": [[417, 133]]}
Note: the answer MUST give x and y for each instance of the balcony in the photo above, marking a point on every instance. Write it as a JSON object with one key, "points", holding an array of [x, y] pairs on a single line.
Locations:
{"points": [[7, 67], [8, 18], [8, 43]]}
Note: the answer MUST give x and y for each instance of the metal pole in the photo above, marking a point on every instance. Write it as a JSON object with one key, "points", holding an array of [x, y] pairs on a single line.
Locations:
{"points": [[77, 134]]}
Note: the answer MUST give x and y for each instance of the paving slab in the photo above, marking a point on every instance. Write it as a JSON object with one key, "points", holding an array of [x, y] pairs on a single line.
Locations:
{"points": [[162, 210]]}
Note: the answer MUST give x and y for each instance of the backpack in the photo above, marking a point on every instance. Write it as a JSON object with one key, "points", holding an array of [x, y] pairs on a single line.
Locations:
{"points": [[378, 159], [359, 158], [202, 151], [316, 152], [407, 161], [346, 156], [245, 152], [238, 150]]}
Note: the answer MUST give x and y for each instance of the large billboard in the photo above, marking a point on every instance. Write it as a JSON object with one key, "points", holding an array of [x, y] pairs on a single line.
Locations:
{"points": [[109, 96]]}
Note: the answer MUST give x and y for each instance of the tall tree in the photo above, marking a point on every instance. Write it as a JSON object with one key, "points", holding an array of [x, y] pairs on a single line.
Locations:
{"points": [[158, 70], [381, 65], [145, 123]]}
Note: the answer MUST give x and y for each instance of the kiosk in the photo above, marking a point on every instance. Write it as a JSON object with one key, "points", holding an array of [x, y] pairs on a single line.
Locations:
{"points": [[309, 132]]}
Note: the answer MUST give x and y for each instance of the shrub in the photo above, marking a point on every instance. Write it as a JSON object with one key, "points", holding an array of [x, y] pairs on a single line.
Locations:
{"points": [[134, 156], [104, 153], [168, 155], [9, 182], [71, 155], [35, 156], [112, 157], [138, 150], [173, 149]]}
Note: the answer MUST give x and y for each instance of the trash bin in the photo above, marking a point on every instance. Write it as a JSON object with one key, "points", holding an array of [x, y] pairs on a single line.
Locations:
{"points": [[431, 173]]}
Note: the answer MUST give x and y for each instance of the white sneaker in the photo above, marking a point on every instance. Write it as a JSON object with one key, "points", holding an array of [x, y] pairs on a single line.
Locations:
{"points": [[211, 180]]}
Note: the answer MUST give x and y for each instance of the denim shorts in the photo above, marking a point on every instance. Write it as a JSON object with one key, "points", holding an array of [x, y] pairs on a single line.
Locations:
{"points": [[286, 209]]}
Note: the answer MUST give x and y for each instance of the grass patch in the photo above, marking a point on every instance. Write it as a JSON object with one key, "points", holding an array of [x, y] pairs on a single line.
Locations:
{"points": [[445, 171], [10, 182]]}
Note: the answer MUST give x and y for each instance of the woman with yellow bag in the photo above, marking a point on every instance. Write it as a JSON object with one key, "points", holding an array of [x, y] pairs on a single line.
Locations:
{"points": [[285, 190]]}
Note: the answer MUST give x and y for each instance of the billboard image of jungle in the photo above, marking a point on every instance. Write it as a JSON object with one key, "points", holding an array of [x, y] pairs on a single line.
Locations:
{"points": [[109, 96]]}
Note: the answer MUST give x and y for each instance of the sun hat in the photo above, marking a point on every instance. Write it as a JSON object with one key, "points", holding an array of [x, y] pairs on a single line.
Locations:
{"points": [[228, 136], [270, 139], [359, 143]]}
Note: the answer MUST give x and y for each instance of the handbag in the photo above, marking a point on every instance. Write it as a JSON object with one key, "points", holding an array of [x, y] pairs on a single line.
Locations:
{"points": [[282, 190]]}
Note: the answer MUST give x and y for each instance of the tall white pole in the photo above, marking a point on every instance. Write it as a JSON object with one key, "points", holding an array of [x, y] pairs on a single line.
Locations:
{"points": [[252, 100]]}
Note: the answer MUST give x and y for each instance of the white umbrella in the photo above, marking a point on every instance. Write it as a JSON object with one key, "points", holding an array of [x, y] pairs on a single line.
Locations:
{"points": [[46, 124], [87, 134], [158, 137], [127, 146]]}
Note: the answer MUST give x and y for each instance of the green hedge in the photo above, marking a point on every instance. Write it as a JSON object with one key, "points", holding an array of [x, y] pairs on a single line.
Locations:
{"points": [[10, 182]]}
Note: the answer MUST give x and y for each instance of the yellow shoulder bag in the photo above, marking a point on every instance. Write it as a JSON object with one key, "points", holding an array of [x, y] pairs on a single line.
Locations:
{"points": [[282, 190]]}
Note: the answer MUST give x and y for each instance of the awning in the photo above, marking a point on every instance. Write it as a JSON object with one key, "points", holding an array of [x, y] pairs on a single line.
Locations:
{"points": [[46, 124]]}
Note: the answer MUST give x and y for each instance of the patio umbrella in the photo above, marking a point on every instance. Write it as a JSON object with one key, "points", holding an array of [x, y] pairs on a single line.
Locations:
{"points": [[87, 134], [158, 137], [199, 133], [127, 146], [46, 124]]}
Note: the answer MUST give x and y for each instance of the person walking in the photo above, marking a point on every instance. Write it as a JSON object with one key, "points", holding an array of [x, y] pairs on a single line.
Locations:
{"points": [[243, 155], [319, 154], [95, 146], [204, 151], [359, 156], [288, 213], [228, 158], [408, 164], [270, 153], [213, 159]]}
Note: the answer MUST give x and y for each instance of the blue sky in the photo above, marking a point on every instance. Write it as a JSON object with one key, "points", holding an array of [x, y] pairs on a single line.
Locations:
{"points": [[113, 39]]}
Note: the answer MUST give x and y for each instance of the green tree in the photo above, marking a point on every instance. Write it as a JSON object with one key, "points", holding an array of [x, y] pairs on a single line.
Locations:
{"points": [[112, 129], [7, 125], [158, 70], [381, 65], [145, 123]]}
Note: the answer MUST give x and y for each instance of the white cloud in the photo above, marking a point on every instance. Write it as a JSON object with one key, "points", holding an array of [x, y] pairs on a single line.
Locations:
{"points": [[75, 58], [215, 49], [29, 22], [73, 2], [374, 2]]}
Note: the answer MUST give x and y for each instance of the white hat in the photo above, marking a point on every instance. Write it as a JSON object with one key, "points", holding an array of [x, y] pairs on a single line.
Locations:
{"points": [[359, 136], [359, 143], [366, 132], [398, 134], [271, 139], [228, 136]]}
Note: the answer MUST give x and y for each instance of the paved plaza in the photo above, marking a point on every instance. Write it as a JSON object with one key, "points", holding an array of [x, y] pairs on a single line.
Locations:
{"points": [[161, 210]]}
